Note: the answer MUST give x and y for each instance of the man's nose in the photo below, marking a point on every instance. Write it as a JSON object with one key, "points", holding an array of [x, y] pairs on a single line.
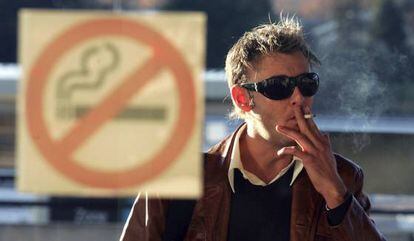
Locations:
{"points": [[297, 98]]}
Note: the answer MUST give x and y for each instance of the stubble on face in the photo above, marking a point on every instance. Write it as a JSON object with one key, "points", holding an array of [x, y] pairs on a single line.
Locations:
{"points": [[267, 113]]}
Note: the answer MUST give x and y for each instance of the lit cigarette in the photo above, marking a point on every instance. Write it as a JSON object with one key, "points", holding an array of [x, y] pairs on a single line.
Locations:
{"points": [[309, 116]]}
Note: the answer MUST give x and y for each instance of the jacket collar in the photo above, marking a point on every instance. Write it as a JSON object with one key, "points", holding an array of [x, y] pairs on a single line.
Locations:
{"points": [[217, 190], [306, 202]]}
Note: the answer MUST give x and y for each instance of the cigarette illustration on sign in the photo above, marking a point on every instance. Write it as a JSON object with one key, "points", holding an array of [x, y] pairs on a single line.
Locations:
{"points": [[95, 66]]}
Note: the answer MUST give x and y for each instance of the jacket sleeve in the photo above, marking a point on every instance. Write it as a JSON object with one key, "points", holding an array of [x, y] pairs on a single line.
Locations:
{"points": [[357, 225], [146, 221]]}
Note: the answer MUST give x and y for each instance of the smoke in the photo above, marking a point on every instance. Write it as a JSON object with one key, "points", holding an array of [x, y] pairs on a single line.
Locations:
{"points": [[352, 90]]}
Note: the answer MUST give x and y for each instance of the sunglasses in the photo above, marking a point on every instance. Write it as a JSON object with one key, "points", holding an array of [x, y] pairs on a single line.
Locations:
{"points": [[281, 87]]}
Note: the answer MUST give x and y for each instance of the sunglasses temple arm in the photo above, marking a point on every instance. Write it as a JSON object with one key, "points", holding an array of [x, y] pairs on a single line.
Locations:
{"points": [[251, 86]]}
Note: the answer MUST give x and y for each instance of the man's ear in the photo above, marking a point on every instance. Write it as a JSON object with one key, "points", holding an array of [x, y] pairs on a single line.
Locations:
{"points": [[240, 97]]}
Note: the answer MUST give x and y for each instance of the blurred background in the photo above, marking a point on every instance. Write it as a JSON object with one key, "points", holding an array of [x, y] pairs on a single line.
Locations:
{"points": [[366, 103]]}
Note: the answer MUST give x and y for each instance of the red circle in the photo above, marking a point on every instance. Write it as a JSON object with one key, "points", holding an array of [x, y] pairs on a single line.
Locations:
{"points": [[163, 51]]}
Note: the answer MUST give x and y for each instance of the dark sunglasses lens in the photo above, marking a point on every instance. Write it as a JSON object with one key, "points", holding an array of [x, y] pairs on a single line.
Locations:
{"points": [[308, 84], [278, 88]]}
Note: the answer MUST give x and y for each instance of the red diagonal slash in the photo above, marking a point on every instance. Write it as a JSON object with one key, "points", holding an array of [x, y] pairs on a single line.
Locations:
{"points": [[108, 108]]}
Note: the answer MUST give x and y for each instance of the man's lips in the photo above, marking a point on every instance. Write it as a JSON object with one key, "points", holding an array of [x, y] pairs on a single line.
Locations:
{"points": [[291, 119], [291, 122]]}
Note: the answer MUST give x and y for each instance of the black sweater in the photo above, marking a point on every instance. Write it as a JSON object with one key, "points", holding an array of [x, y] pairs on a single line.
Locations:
{"points": [[260, 213]]}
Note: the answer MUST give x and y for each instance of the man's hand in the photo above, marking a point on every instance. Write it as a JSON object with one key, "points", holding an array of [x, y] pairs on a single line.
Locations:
{"points": [[318, 159]]}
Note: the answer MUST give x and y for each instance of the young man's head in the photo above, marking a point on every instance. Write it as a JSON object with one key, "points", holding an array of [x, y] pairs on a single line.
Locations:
{"points": [[267, 51]]}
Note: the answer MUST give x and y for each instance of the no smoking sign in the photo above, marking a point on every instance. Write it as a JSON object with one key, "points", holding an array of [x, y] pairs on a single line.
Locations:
{"points": [[110, 104]]}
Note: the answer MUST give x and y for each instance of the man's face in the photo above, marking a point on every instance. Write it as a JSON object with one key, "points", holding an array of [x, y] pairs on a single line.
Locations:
{"points": [[268, 113]]}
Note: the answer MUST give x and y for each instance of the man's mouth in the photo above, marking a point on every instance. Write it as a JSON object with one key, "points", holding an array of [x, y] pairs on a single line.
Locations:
{"points": [[292, 123], [291, 119]]}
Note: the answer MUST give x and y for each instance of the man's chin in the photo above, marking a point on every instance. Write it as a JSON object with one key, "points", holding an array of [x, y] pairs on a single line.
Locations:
{"points": [[290, 143], [281, 140]]}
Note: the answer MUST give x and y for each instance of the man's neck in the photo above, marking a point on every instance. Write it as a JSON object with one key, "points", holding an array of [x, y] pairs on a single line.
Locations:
{"points": [[259, 156]]}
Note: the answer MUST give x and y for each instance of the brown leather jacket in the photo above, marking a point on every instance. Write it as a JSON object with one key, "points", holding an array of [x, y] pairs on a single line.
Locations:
{"points": [[211, 213]]}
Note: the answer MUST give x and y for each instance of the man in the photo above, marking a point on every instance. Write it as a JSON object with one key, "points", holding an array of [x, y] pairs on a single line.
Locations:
{"points": [[275, 177]]}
